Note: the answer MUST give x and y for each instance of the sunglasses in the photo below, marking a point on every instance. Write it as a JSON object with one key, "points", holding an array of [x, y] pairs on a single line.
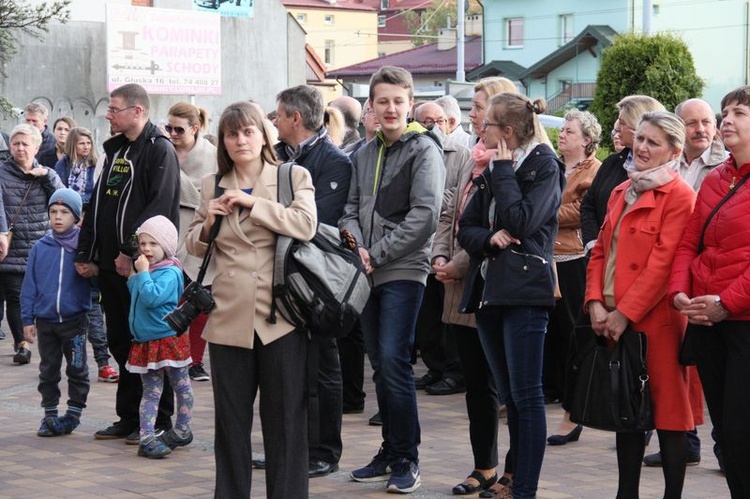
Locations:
{"points": [[176, 129]]}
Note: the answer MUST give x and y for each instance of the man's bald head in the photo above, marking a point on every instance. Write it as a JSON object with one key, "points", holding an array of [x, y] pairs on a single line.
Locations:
{"points": [[350, 108], [700, 126], [429, 114]]}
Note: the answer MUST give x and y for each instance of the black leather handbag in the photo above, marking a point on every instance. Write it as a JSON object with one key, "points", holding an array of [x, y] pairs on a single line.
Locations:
{"points": [[612, 390]]}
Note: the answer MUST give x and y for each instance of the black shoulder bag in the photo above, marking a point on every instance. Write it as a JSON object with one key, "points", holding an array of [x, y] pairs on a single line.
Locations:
{"points": [[688, 349]]}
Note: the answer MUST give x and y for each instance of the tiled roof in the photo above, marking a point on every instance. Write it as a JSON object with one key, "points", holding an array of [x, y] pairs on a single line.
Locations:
{"points": [[426, 59], [325, 4]]}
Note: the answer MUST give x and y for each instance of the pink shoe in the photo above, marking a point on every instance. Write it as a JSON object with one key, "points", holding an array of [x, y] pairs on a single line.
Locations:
{"points": [[108, 375]]}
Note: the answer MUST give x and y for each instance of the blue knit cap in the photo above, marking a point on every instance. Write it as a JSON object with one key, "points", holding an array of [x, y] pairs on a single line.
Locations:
{"points": [[69, 198]]}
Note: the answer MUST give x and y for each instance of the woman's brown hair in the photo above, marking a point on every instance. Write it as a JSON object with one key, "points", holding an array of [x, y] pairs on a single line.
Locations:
{"points": [[518, 112], [236, 117], [193, 114]]}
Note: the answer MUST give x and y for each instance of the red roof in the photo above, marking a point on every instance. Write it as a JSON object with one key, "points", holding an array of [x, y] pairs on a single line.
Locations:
{"points": [[426, 59], [325, 4], [400, 4]]}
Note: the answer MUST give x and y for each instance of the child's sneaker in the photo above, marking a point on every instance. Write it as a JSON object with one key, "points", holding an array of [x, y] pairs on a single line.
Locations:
{"points": [[404, 477], [153, 448], [47, 428], [172, 440], [108, 375], [376, 471], [68, 423]]}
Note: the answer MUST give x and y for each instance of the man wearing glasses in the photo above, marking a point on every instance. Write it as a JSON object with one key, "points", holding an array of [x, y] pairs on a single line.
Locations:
{"points": [[140, 179]]}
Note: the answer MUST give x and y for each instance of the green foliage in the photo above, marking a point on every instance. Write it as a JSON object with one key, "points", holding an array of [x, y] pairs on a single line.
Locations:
{"points": [[660, 66], [424, 25], [19, 17]]}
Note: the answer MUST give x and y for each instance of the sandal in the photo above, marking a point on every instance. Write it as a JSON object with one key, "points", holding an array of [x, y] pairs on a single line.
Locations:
{"points": [[498, 489], [463, 489]]}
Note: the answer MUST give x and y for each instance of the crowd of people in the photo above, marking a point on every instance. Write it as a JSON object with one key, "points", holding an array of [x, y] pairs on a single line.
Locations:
{"points": [[484, 251]]}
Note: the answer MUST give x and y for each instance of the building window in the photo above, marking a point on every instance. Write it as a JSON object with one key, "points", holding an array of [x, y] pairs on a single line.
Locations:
{"points": [[384, 4], [328, 53], [328, 19], [381, 21], [301, 18], [655, 9], [514, 32], [142, 3], [566, 28]]}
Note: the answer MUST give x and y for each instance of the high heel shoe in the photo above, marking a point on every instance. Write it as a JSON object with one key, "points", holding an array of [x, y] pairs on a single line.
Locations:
{"points": [[573, 436]]}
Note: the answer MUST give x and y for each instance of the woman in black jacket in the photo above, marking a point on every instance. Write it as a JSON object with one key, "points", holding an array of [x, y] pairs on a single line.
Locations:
{"points": [[509, 229]]}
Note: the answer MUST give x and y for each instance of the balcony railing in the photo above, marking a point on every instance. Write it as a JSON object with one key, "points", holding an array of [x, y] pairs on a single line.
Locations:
{"points": [[569, 93]]}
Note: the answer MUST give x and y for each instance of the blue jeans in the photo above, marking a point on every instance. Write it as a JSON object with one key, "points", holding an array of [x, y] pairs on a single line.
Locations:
{"points": [[388, 323], [513, 342], [96, 333]]}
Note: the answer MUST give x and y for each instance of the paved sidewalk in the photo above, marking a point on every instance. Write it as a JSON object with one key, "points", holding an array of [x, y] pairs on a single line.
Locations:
{"points": [[79, 466]]}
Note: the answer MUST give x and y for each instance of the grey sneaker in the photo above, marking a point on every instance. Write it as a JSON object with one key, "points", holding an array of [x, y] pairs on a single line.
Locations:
{"points": [[405, 477]]}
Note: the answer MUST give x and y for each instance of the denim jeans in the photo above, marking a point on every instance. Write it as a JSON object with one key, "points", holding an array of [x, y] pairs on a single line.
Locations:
{"points": [[96, 333], [513, 342], [388, 323]]}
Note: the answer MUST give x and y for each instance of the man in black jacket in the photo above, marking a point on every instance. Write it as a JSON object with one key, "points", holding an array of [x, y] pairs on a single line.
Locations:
{"points": [[37, 115], [304, 139], [140, 179]]}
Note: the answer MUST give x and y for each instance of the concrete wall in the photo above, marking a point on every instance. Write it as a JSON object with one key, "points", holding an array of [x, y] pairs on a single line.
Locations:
{"points": [[67, 70]]}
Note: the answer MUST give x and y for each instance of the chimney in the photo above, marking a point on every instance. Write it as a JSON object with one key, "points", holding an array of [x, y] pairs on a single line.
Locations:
{"points": [[473, 25], [446, 38]]}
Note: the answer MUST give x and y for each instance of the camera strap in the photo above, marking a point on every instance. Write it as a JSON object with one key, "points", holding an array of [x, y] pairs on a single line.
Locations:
{"points": [[218, 191]]}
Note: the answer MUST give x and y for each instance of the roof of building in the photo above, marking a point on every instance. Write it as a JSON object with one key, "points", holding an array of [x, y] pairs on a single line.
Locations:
{"points": [[508, 69], [399, 4], [329, 5], [425, 59], [316, 69], [585, 40]]}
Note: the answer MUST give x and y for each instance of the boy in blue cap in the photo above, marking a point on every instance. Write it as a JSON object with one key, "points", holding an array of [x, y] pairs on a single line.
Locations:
{"points": [[54, 304]]}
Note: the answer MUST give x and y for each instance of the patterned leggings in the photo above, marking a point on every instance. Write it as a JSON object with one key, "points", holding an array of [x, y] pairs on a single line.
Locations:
{"points": [[153, 383]]}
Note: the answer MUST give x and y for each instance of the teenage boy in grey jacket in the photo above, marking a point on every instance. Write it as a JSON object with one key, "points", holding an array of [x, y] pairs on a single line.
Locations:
{"points": [[392, 210]]}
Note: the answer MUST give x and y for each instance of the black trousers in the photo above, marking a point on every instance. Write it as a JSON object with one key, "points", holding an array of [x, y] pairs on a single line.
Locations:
{"points": [[57, 340], [723, 355], [326, 405], [10, 290], [116, 304], [279, 371], [437, 346], [557, 343], [481, 397], [352, 360]]}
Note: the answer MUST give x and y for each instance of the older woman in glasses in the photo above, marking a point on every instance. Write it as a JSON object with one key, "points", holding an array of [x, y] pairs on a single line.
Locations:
{"points": [[197, 158]]}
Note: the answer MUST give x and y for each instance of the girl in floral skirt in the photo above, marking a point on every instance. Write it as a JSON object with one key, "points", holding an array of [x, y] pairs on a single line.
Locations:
{"points": [[155, 286]]}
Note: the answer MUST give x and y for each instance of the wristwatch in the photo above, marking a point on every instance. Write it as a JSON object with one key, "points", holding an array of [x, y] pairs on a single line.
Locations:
{"points": [[717, 301]]}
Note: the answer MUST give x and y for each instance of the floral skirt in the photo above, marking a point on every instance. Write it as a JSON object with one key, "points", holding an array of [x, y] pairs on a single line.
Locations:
{"points": [[172, 351]]}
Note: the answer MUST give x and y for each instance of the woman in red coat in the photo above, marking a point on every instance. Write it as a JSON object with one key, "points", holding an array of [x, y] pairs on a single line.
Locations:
{"points": [[626, 285], [710, 284]]}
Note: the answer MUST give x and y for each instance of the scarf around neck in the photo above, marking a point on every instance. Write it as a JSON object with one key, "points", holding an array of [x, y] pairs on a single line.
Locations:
{"points": [[68, 239], [642, 181], [170, 260]]}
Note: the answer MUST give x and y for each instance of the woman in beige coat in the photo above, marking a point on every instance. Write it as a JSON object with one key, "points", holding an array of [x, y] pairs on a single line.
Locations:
{"points": [[247, 351]]}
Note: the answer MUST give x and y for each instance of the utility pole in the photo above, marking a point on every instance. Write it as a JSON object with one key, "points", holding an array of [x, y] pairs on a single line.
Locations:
{"points": [[648, 10], [460, 73]]}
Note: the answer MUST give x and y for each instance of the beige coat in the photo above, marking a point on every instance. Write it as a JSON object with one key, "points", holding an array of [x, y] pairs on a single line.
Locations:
{"points": [[447, 246], [244, 254], [200, 161]]}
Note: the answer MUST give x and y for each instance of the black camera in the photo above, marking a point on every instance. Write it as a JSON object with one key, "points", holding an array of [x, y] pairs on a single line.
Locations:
{"points": [[196, 300]]}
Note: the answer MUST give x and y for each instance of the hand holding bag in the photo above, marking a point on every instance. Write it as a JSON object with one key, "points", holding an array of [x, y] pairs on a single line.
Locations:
{"points": [[612, 391]]}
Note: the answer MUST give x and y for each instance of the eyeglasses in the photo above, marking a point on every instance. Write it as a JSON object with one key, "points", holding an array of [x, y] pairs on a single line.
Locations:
{"points": [[114, 110], [176, 129], [431, 122], [486, 124]]}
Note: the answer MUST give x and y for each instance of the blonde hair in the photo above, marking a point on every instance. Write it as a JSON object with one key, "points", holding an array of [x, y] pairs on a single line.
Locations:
{"points": [[71, 143], [193, 114], [26, 129], [333, 120], [494, 85], [669, 123], [632, 107]]}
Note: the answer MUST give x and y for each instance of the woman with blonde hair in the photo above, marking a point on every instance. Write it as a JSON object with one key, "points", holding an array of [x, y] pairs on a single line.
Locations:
{"points": [[626, 287], [333, 120], [197, 156]]}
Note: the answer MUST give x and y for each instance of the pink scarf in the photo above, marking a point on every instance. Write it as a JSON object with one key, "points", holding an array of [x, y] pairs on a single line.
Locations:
{"points": [[481, 156], [170, 260]]}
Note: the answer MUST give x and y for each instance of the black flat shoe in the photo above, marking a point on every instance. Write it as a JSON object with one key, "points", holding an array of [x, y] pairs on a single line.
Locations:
{"points": [[23, 356], [564, 439], [321, 468], [464, 489], [259, 464]]}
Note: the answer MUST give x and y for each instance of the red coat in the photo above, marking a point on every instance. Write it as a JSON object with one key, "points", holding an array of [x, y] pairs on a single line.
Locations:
{"points": [[648, 238], [723, 268]]}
